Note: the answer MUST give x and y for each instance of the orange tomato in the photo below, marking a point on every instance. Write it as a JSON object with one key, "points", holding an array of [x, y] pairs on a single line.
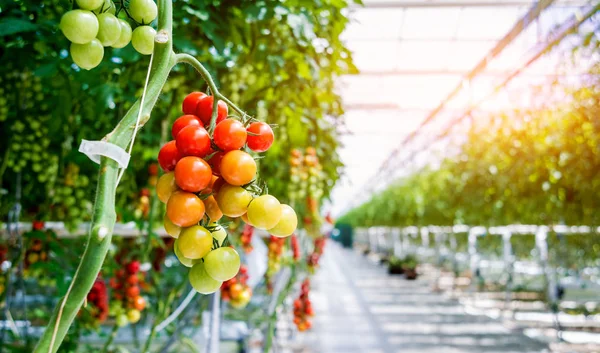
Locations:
{"points": [[185, 209], [238, 168]]}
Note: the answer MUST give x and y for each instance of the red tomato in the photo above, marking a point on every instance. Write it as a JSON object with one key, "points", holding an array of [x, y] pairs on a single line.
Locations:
{"points": [[190, 102], [133, 291], [261, 137], [184, 121], [168, 156], [215, 162], [238, 168], [193, 141], [230, 135], [153, 169], [192, 174], [185, 209], [133, 279], [133, 267], [204, 110]]}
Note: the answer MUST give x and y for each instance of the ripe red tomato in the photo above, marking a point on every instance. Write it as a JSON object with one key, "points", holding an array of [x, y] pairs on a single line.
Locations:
{"points": [[238, 168], [262, 138], [193, 141], [230, 135], [190, 102], [133, 267], [215, 162], [204, 110], [183, 121], [185, 209], [168, 156], [153, 169], [192, 174]]}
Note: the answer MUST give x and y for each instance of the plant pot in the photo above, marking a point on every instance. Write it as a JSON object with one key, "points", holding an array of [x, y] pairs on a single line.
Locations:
{"points": [[410, 273], [395, 270]]}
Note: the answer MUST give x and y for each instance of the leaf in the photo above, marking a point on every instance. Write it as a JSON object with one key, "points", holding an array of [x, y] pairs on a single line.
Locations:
{"points": [[11, 26]]}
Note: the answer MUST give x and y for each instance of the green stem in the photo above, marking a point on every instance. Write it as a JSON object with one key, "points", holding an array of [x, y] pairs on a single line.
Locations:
{"points": [[111, 338], [104, 216], [188, 59]]}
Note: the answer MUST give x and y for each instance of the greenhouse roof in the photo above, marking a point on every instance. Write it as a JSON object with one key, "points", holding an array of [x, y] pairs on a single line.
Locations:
{"points": [[415, 55]]}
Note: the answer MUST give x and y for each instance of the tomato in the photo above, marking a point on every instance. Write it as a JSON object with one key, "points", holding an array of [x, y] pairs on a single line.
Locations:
{"points": [[222, 264], [133, 316], [133, 291], [235, 290], [171, 228], [190, 102], [133, 279], [143, 11], [209, 189], [201, 281], [230, 134], [204, 110], [184, 121], [168, 156], [166, 186], [89, 4], [216, 186], [193, 141], [133, 267], [245, 219], [142, 39], [185, 209], [219, 234], [195, 242], [139, 303], [87, 56], [264, 212], [238, 168], [287, 224], [184, 260], [260, 137], [192, 174], [215, 162], [109, 29], [212, 209], [125, 36], [233, 200], [79, 26]]}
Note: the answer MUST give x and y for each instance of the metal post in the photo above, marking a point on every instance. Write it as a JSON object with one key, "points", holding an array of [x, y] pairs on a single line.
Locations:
{"points": [[541, 242], [214, 335], [473, 255], [508, 265]]}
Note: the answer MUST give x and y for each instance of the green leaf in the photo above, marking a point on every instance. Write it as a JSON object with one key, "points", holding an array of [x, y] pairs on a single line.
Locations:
{"points": [[11, 26]]}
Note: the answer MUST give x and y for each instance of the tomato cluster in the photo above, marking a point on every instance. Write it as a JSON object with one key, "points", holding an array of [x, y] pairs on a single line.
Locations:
{"points": [[208, 177], [276, 248], [95, 24], [295, 247], [313, 259], [37, 252], [303, 308], [128, 303], [306, 186], [97, 302], [236, 290], [246, 238]]}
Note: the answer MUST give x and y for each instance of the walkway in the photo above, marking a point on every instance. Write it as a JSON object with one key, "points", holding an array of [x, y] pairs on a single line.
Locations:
{"points": [[359, 308]]}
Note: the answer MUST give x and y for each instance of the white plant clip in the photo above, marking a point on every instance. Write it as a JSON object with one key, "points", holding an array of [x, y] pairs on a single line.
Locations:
{"points": [[95, 149]]}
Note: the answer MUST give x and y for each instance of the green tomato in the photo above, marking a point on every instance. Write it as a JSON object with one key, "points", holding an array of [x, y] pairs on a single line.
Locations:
{"points": [[171, 228], [134, 316], [87, 56], [201, 281], [264, 212], [233, 200], [108, 6], [184, 261], [195, 242], [122, 320], [89, 4], [110, 29], [220, 234], [287, 224], [125, 36], [222, 264], [142, 39], [143, 11], [79, 26]]}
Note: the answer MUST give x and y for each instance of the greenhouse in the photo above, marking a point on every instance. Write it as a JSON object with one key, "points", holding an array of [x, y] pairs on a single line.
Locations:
{"points": [[328, 176]]}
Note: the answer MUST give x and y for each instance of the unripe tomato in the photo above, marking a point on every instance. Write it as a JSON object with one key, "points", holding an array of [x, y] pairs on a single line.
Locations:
{"points": [[287, 224], [133, 316], [79, 26], [260, 137], [184, 260], [212, 209], [238, 168], [185, 209], [245, 219], [222, 264], [204, 110], [143, 11], [171, 228], [142, 39], [215, 162], [201, 281], [89, 4], [87, 56], [192, 174], [122, 320], [264, 212], [190, 102], [168, 156], [235, 290], [125, 36], [166, 186], [219, 234], [233, 200], [184, 121], [193, 141], [230, 134], [195, 242]]}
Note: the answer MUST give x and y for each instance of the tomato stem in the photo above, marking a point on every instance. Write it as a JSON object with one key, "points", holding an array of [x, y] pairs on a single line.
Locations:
{"points": [[104, 215]]}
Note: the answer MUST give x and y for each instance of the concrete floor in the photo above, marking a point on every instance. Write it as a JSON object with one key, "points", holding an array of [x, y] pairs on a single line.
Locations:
{"points": [[360, 308]]}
